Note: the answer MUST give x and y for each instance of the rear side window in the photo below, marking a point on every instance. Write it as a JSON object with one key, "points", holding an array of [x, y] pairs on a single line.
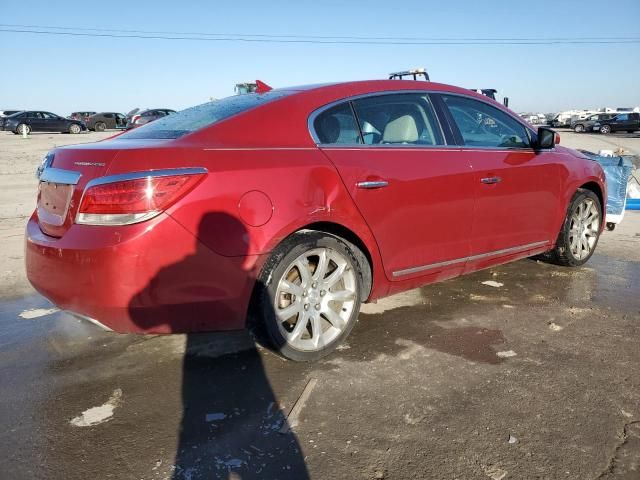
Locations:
{"points": [[482, 125], [624, 117], [401, 119], [195, 118], [337, 125]]}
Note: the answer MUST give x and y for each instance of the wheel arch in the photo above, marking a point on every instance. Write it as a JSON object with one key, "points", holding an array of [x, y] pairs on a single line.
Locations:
{"points": [[597, 190], [350, 236]]}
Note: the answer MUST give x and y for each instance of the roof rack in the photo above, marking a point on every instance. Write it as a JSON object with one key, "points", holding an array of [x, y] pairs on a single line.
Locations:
{"points": [[415, 73]]}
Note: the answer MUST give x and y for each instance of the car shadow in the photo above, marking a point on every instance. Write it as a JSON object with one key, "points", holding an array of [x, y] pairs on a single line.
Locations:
{"points": [[232, 425]]}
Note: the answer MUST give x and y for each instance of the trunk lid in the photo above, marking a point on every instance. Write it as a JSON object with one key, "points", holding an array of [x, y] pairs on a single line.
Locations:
{"points": [[61, 188]]}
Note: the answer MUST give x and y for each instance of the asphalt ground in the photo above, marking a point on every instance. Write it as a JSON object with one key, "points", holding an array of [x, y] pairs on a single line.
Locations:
{"points": [[538, 377]]}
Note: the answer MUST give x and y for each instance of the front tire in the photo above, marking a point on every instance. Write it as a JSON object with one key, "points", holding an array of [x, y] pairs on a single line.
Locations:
{"points": [[580, 231], [605, 129], [309, 294], [100, 127], [74, 128]]}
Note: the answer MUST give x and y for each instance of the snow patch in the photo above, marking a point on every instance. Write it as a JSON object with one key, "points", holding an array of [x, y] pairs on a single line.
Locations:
{"points": [[492, 283], [506, 354], [101, 414], [37, 312]]}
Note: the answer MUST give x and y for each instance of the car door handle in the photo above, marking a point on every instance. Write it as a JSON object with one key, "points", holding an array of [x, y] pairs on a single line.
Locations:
{"points": [[490, 180], [371, 184]]}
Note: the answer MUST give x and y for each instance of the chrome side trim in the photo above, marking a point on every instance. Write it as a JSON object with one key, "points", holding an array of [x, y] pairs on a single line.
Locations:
{"points": [[89, 319], [253, 149], [147, 174], [58, 175], [495, 253]]}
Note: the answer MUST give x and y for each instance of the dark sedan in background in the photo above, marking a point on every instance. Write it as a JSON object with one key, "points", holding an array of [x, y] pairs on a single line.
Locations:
{"points": [[142, 117], [106, 120], [622, 122], [586, 124], [38, 121]]}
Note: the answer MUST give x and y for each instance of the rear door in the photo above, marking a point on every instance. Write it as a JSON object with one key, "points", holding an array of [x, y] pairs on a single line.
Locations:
{"points": [[517, 189], [37, 122], [412, 189], [109, 120], [620, 122]]}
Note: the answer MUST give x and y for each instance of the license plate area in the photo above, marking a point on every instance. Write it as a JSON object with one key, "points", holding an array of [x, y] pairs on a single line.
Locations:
{"points": [[53, 202]]}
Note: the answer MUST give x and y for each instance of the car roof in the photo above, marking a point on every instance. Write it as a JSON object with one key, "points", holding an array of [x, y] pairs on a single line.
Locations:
{"points": [[291, 130]]}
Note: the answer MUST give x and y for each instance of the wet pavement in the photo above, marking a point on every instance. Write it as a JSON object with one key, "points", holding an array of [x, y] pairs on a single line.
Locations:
{"points": [[536, 378]]}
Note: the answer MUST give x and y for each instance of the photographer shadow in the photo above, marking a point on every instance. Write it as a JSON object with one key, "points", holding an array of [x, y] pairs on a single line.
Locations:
{"points": [[231, 419]]}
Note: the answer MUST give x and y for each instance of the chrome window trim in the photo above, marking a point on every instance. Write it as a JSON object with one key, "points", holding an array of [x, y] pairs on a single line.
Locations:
{"points": [[312, 117], [480, 256], [58, 175]]}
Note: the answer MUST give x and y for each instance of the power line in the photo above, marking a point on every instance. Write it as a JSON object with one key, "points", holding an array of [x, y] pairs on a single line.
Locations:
{"points": [[314, 37], [327, 40]]}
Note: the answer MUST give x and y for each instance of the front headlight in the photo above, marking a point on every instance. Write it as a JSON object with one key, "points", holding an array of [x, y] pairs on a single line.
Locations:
{"points": [[46, 163]]}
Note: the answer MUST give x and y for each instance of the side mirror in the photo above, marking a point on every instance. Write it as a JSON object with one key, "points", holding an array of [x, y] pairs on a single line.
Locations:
{"points": [[546, 138]]}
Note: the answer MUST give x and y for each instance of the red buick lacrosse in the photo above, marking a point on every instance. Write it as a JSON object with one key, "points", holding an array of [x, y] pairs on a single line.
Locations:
{"points": [[291, 207]]}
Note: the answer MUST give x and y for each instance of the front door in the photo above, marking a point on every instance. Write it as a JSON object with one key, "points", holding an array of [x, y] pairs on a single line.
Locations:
{"points": [[414, 192], [517, 189]]}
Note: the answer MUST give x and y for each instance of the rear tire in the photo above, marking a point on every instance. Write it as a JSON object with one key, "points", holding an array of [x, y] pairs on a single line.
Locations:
{"points": [[579, 128], [580, 231], [309, 293], [100, 127], [22, 126]]}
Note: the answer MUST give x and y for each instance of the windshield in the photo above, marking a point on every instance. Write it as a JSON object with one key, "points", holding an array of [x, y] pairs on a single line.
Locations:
{"points": [[195, 118]]}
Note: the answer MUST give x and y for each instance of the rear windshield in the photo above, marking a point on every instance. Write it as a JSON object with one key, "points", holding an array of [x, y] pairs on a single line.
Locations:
{"points": [[195, 118]]}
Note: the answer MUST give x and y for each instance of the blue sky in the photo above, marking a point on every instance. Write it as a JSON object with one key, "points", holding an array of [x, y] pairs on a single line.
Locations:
{"points": [[63, 74]]}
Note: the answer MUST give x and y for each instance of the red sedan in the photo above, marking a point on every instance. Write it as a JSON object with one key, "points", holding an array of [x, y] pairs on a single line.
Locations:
{"points": [[285, 209]]}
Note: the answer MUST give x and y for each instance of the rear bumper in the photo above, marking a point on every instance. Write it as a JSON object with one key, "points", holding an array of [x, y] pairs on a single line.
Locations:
{"points": [[152, 277]]}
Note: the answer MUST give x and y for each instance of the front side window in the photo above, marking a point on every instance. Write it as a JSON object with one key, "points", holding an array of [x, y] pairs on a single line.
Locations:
{"points": [[337, 126], [482, 125], [398, 119]]}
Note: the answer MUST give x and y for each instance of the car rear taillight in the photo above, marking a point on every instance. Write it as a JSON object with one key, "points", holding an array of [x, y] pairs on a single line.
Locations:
{"points": [[139, 197]]}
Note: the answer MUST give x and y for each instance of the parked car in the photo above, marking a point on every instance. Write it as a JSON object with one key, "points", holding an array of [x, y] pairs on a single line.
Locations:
{"points": [[83, 116], [586, 125], [292, 207], [7, 113], [106, 120], [38, 121], [147, 116], [623, 122]]}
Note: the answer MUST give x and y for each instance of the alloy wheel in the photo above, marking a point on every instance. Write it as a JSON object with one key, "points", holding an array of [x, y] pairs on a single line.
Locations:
{"points": [[585, 225], [315, 299]]}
